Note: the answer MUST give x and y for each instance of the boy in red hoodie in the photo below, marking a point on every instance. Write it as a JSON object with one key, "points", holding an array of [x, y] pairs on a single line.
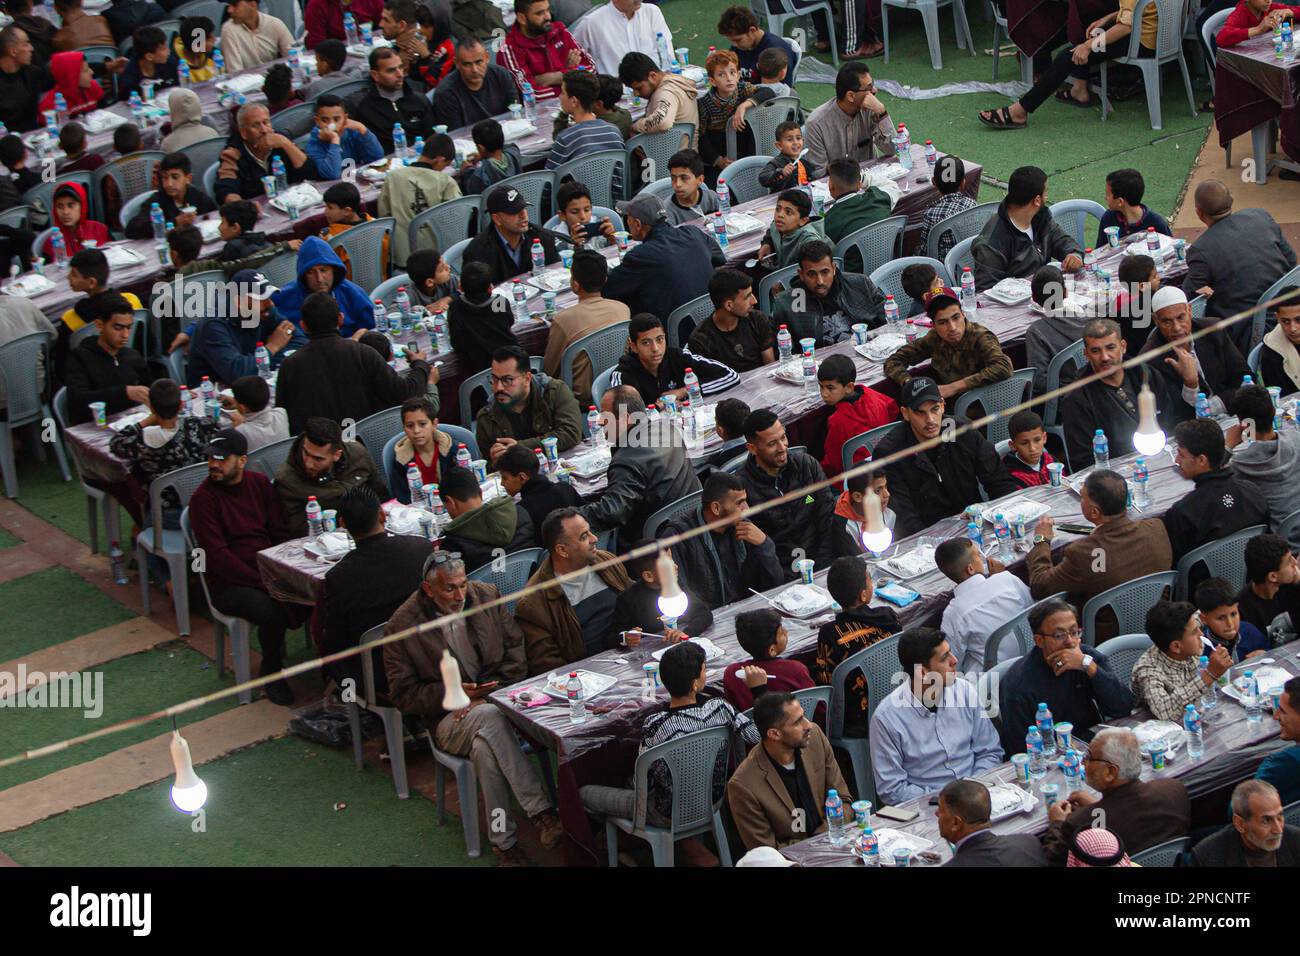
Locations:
{"points": [[70, 216], [762, 635], [1028, 458], [72, 78], [856, 409]]}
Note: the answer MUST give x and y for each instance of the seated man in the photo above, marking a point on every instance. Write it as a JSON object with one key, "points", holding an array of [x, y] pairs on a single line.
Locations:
{"points": [[962, 354], [253, 415], [538, 495], [648, 470], [489, 651], [592, 313], [400, 27], [670, 97], [986, 596], [931, 729], [321, 270], [1269, 459], [1282, 768], [736, 334], [1141, 813], [370, 583], [763, 637], [654, 368], [1211, 364], [1130, 549], [727, 563], [948, 477], [565, 624], [336, 137], [1022, 236], [857, 626], [252, 153], [476, 90], [854, 409], [176, 191], [801, 528], [1258, 836], [1279, 361], [777, 795], [539, 50], [390, 100], [1271, 598], [250, 38], [526, 408], [105, 369], [481, 532], [824, 302], [1221, 503], [637, 608], [850, 521], [1168, 676], [963, 816], [224, 347], [235, 514], [854, 208], [323, 466], [507, 247], [1074, 680]]}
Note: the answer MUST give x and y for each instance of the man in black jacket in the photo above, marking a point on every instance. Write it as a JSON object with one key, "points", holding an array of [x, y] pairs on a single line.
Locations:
{"points": [[943, 480], [104, 369], [369, 583], [390, 100], [250, 154], [1022, 237], [649, 468], [21, 82], [724, 564], [481, 532], [824, 302], [654, 369], [539, 496], [1210, 364], [507, 247], [476, 90], [1258, 836], [963, 815], [800, 528], [339, 378]]}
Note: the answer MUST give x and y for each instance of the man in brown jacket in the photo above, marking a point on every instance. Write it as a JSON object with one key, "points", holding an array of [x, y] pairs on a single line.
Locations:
{"points": [[489, 651], [567, 623], [962, 354], [1118, 550], [778, 794]]}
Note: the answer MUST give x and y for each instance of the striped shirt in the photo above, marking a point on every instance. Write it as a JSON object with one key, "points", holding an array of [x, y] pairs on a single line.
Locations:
{"points": [[665, 725], [589, 136]]}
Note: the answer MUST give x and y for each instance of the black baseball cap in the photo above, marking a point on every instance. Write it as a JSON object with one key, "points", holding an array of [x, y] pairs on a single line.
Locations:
{"points": [[918, 391], [506, 199], [225, 444]]}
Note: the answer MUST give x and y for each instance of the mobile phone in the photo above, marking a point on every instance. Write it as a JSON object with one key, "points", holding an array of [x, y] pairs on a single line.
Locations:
{"points": [[581, 231], [898, 814]]}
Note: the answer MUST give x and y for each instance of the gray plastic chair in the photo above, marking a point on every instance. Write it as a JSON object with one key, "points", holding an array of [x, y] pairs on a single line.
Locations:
{"points": [[1072, 216], [132, 174], [662, 188], [697, 310], [41, 195], [1167, 854], [364, 245], [1225, 558], [876, 244], [858, 748], [295, 121], [176, 365], [776, 21], [203, 154], [988, 683], [1072, 354], [448, 223], [269, 458], [1169, 47], [374, 430], [603, 172], [1291, 812], [888, 278], [537, 187], [240, 630], [929, 10], [960, 257], [518, 568], [1210, 29], [741, 178], [455, 256], [657, 149], [1289, 528], [779, 277], [95, 497], [19, 217], [762, 121], [347, 88], [998, 397], [281, 270], [466, 791], [692, 761], [1198, 306], [1130, 601], [1122, 653], [868, 440], [1259, 321], [604, 347], [668, 512], [129, 210], [19, 359], [168, 544], [394, 734], [209, 178], [1016, 627], [811, 697], [962, 225], [461, 436], [1002, 31], [386, 291], [733, 465]]}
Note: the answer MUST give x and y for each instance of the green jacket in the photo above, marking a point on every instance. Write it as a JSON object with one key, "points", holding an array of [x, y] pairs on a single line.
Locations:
{"points": [[551, 411], [293, 486], [499, 526], [978, 358], [477, 18], [231, 266], [857, 211], [786, 248]]}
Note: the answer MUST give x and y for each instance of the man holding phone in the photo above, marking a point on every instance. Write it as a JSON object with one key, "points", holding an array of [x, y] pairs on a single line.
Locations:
{"points": [[489, 650]]}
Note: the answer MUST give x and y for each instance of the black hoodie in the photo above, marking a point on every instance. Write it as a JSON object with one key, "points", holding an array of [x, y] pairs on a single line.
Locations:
{"points": [[92, 375], [479, 328], [141, 226]]}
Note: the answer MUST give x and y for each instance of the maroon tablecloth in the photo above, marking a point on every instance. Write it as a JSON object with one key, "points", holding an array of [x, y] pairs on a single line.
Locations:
{"points": [[1252, 87]]}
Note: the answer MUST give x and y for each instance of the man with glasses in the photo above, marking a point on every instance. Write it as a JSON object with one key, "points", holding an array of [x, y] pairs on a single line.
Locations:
{"points": [[1074, 681], [489, 650], [854, 125], [526, 408], [1167, 677]]}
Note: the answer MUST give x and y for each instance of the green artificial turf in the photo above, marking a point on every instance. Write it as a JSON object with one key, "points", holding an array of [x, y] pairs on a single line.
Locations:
{"points": [[49, 607], [8, 540], [43, 492]]}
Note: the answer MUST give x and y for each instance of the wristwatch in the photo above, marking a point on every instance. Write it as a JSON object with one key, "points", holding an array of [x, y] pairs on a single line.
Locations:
{"points": [[1087, 661], [1040, 539]]}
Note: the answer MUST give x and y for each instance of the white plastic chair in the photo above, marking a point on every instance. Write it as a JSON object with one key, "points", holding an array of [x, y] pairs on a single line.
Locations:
{"points": [[168, 544], [1072, 216], [1169, 47], [24, 404], [240, 630], [929, 10], [95, 497]]}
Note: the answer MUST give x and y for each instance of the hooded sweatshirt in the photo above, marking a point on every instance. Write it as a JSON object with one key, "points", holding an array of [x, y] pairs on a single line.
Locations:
{"points": [[673, 102], [480, 328], [66, 70], [499, 523], [74, 239], [849, 526], [187, 127], [358, 311], [1272, 467], [786, 248], [864, 410]]}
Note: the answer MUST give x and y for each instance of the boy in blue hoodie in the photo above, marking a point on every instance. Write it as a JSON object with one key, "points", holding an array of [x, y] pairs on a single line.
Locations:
{"points": [[321, 270], [336, 138]]}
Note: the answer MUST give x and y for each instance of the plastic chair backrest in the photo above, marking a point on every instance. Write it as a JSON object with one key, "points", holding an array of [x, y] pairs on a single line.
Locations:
{"points": [[662, 188], [868, 440], [1130, 601], [294, 121], [462, 436], [16, 216], [1209, 29], [448, 223], [1123, 652], [538, 187], [1198, 306], [1071, 354], [88, 331], [187, 530], [888, 278], [39, 242], [98, 53], [779, 277], [876, 244], [130, 208], [133, 174], [697, 311], [998, 397], [210, 179], [347, 88], [810, 697], [694, 762], [960, 257], [962, 225], [1072, 216], [604, 347], [281, 270], [455, 256], [42, 194], [365, 244], [658, 148], [373, 430], [204, 153], [762, 121], [1260, 318], [18, 361], [212, 9], [1291, 812], [600, 384], [386, 291], [176, 365], [858, 661], [1169, 29], [183, 481], [269, 458], [1289, 527], [516, 568], [741, 178], [600, 172], [1165, 854], [668, 512], [1017, 627], [1225, 558]]}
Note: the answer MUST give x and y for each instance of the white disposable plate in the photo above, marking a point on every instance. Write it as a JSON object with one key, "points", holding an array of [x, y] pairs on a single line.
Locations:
{"points": [[913, 564], [1021, 509], [711, 651], [1009, 800], [1009, 291], [1267, 677], [803, 609], [593, 684]]}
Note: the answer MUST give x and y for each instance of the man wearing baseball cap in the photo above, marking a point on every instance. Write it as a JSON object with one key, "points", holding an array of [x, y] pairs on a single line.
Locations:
{"points": [[940, 481], [962, 354], [507, 247], [1210, 364], [224, 347], [668, 268]]}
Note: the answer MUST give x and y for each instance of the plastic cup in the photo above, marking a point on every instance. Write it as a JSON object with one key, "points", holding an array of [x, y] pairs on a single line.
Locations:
{"points": [[1021, 764], [99, 412], [621, 238], [1157, 757], [479, 467], [268, 183], [975, 513], [1064, 735], [651, 669], [1051, 794], [683, 55], [440, 130], [1054, 472], [861, 812], [630, 638], [1112, 236], [566, 258], [516, 111], [806, 344], [805, 568], [329, 519], [860, 333], [903, 857], [551, 448]]}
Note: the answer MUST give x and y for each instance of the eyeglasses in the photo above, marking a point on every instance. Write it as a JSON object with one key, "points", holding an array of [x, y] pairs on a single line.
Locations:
{"points": [[869, 88], [1072, 634], [1089, 758], [505, 381], [438, 559]]}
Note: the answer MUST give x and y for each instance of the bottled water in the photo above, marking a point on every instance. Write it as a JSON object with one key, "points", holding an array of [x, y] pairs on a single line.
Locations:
{"points": [[521, 301], [434, 501], [663, 53], [577, 708], [869, 844], [903, 148], [967, 291], [441, 337], [463, 457], [530, 100], [931, 154], [1202, 405], [1246, 380], [262, 357], [1071, 769], [117, 561], [1250, 698], [720, 231], [539, 258], [1046, 729], [909, 332], [784, 344], [281, 177], [906, 136], [724, 198], [403, 302], [1034, 748], [60, 250], [315, 527], [891, 312], [1209, 700], [1006, 550], [183, 72], [415, 484], [350, 29], [1192, 728], [809, 367], [974, 532], [399, 142], [692, 383], [687, 418], [595, 427], [60, 109], [835, 819], [158, 221], [381, 316], [1153, 240], [207, 389], [417, 149], [218, 61], [1100, 449], [1141, 483]]}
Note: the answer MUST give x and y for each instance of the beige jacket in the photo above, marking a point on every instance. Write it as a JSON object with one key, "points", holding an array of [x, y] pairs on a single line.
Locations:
{"points": [[673, 102], [572, 324], [409, 191], [245, 49]]}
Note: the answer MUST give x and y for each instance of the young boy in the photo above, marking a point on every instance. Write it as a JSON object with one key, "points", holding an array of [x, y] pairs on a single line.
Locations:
{"points": [[88, 276], [573, 199], [478, 320], [948, 177], [1061, 325], [1139, 280], [343, 210], [1272, 588], [70, 216], [790, 229], [1028, 457], [729, 419], [1124, 189], [855, 208], [164, 441], [432, 283], [654, 369], [331, 68], [13, 154], [856, 627], [185, 245], [279, 92], [761, 634], [539, 495], [772, 65], [607, 108], [423, 445], [719, 105], [918, 280], [588, 133], [855, 409], [177, 192], [72, 140], [1221, 621], [236, 229], [149, 60], [851, 515], [786, 170], [985, 593], [335, 138], [637, 609], [252, 413], [692, 199], [199, 60], [494, 163]]}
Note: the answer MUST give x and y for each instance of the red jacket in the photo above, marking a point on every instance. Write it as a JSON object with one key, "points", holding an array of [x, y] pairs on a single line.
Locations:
{"points": [[1235, 28], [66, 70], [324, 18], [853, 416], [1024, 475], [526, 56], [74, 240], [784, 675]]}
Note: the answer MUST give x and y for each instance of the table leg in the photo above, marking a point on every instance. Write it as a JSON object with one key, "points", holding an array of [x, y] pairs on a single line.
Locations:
{"points": [[1260, 140]]}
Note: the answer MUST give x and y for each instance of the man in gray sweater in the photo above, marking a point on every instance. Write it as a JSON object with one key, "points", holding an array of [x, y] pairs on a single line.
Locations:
{"points": [[1270, 459]]}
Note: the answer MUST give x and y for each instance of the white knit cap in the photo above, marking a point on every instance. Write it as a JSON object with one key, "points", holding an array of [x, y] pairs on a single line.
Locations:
{"points": [[1166, 296]]}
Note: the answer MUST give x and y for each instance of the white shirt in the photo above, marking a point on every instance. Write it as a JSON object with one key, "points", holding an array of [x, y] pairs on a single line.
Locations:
{"points": [[269, 425], [978, 606], [608, 35]]}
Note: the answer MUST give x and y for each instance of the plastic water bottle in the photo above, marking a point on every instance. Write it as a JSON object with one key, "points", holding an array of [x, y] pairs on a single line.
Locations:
{"points": [[686, 417], [1141, 483], [1006, 553], [974, 532], [539, 258], [1287, 42], [417, 150], [463, 457], [809, 366], [835, 815], [905, 134], [60, 109], [60, 250], [207, 389], [784, 344], [529, 97], [521, 301], [1100, 449], [137, 106], [720, 230], [1202, 405], [281, 177], [1034, 748], [262, 356], [399, 141], [692, 383], [1192, 728], [902, 146], [931, 154], [381, 316], [967, 291], [891, 312], [909, 331], [869, 844], [1046, 729], [218, 62], [1247, 380], [350, 29], [1209, 700], [403, 302], [724, 197], [663, 55], [434, 500], [1250, 698], [415, 484], [1153, 240], [595, 427], [117, 561], [441, 336], [49, 13], [577, 708], [183, 72], [158, 221], [315, 527], [4, 130]]}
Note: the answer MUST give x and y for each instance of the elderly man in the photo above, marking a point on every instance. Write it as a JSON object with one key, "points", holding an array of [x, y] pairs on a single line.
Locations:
{"points": [[931, 729], [1168, 677], [1023, 236], [1258, 835], [1074, 680], [963, 815], [489, 652], [251, 38], [539, 49], [962, 354], [507, 247], [1210, 364], [476, 90], [574, 620], [668, 268], [245, 163], [1239, 255], [824, 302], [1282, 768], [1141, 813], [1118, 550], [854, 125], [526, 408], [389, 100], [612, 31], [323, 466]]}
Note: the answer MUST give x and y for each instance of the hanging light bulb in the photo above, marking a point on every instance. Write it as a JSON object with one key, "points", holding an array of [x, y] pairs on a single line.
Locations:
{"points": [[875, 536], [189, 793], [455, 697], [672, 599], [1148, 439]]}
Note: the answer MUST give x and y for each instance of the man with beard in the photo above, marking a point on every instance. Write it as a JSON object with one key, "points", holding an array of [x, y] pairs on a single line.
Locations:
{"points": [[476, 90], [1258, 836], [390, 100], [824, 302], [526, 408], [323, 466], [539, 50]]}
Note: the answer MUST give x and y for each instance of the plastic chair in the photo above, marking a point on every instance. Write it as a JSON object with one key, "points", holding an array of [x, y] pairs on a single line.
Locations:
{"points": [[858, 748], [661, 188], [462, 436], [79, 336], [868, 440], [1169, 47], [269, 458], [1001, 30], [776, 21], [1225, 558], [176, 365], [41, 195], [448, 223], [19, 217], [1072, 216], [741, 178], [394, 735], [168, 544], [1289, 528], [240, 630], [204, 153], [697, 310], [130, 208], [888, 278], [600, 385], [597, 213], [604, 347], [929, 10], [692, 761], [1072, 354], [455, 256], [212, 9], [295, 121], [1259, 321], [876, 244], [733, 465], [811, 697], [1291, 812], [603, 172], [1130, 601], [386, 291], [781, 277], [24, 404], [281, 270], [132, 174], [374, 430], [667, 513], [960, 257], [347, 88], [1209, 29], [657, 148], [1122, 653], [988, 683], [94, 496], [1017, 627], [966, 224], [210, 179], [169, 28], [481, 380], [998, 397], [518, 568], [537, 188], [762, 121], [365, 245], [466, 791], [39, 242]]}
